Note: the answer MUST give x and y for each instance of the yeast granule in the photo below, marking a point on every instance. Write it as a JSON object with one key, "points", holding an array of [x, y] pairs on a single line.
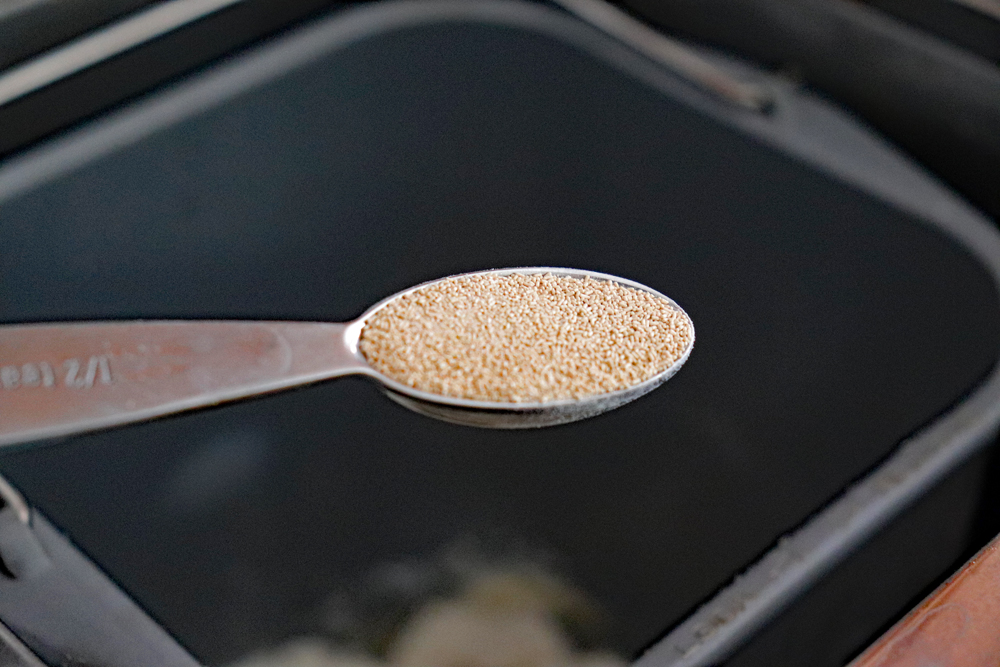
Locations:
{"points": [[525, 338]]}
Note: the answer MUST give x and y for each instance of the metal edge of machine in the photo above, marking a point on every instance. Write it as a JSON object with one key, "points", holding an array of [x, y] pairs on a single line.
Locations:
{"points": [[797, 123], [59, 608]]}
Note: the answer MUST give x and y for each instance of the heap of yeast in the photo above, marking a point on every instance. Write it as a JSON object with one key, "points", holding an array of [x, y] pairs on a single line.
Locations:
{"points": [[525, 338]]}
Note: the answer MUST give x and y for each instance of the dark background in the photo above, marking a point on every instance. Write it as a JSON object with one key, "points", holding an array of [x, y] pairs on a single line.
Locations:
{"points": [[830, 326]]}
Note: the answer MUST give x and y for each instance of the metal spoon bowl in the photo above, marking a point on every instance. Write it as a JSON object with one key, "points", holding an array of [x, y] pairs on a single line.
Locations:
{"points": [[65, 378]]}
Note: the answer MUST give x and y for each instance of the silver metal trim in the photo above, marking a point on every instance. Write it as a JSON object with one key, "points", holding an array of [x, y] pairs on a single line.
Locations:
{"points": [[990, 8], [95, 47], [9, 8], [16, 501], [15, 648], [798, 560], [802, 125], [670, 53]]}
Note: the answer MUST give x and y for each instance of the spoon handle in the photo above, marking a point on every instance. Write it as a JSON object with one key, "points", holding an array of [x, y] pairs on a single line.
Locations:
{"points": [[60, 379]]}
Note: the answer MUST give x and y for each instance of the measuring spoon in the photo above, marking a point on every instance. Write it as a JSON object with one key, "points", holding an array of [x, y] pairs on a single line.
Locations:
{"points": [[65, 378]]}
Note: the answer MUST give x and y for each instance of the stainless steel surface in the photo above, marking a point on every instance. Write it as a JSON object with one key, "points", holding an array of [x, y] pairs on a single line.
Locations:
{"points": [[65, 378], [102, 44], [13, 652], [13, 7], [13, 499], [69, 613], [670, 53], [990, 8]]}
